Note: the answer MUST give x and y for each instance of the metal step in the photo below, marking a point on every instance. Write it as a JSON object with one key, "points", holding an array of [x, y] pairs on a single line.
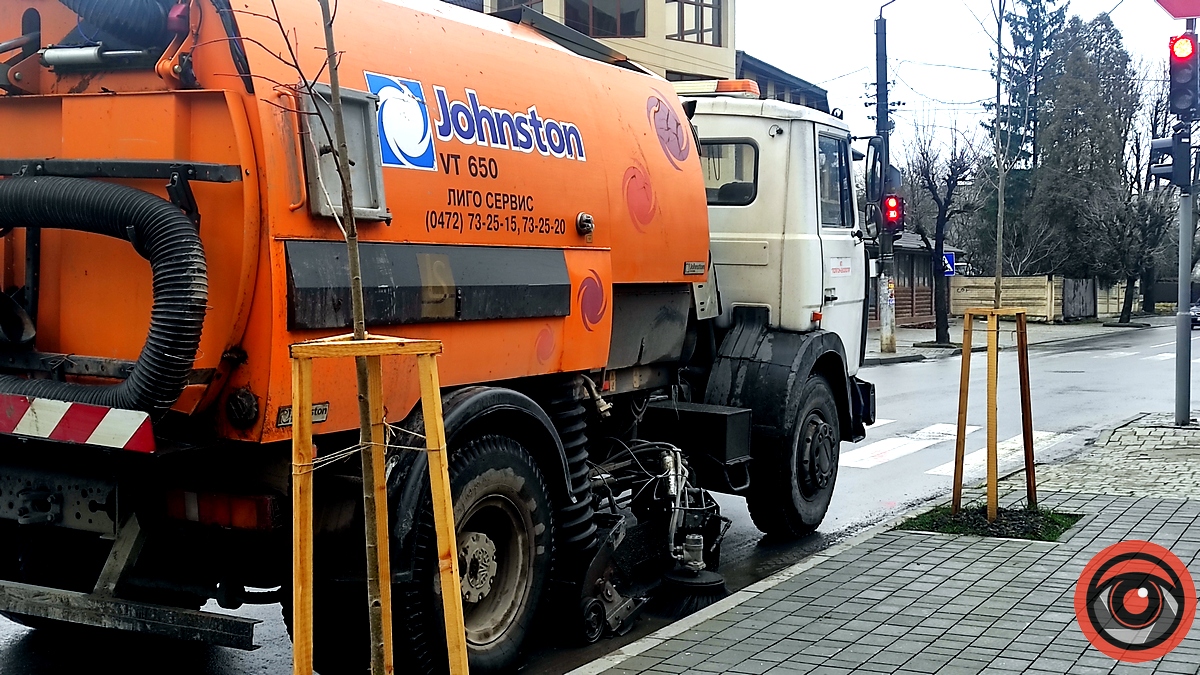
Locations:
{"points": [[92, 610]]}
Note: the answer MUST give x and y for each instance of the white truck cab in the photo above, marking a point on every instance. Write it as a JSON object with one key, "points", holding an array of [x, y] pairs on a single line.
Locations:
{"points": [[783, 222]]}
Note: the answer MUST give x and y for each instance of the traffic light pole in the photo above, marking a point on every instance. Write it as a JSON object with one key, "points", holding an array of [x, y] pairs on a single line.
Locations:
{"points": [[1183, 318], [886, 296]]}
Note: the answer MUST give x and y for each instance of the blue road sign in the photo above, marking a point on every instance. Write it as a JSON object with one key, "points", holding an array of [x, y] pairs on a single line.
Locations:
{"points": [[948, 268]]}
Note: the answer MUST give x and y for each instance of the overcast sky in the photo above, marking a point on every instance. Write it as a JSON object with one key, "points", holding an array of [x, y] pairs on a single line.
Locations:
{"points": [[831, 43]]}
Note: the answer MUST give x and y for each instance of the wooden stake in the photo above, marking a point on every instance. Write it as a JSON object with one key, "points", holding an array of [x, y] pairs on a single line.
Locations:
{"points": [[302, 518], [993, 493], [1026, 410], [443, 514], [964, 386]]}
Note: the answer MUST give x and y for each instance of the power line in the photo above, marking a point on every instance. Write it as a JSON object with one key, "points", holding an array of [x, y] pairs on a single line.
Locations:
{"points": [[937, 100], [943, 65], [841, 76]]}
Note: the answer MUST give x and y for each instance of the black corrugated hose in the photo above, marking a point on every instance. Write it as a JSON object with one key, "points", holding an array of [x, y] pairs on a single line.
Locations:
{"points": [[141, 22], [162, 234]]}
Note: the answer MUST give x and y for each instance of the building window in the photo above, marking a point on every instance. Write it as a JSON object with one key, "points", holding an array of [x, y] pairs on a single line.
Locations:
{"points": [[535, 5], [694, 21], [607, 18], [476, 5]]}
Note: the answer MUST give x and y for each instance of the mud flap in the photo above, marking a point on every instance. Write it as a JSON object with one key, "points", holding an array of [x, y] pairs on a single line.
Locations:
{"points": [[764, 369]]}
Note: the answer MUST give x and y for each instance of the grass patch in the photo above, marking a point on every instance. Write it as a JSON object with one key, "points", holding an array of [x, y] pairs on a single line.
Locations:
{"points": [[1035, 524]]}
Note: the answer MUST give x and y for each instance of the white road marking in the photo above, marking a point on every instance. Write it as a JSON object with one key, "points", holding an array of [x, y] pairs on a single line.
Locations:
{"points": [[1007, 451], [879, 452], [1115, 355], [1159, 357], [1165, 344], [879, 423]]}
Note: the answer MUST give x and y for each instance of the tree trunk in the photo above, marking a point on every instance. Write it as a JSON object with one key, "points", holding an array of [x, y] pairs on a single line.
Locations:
{"points": [[941, 290], [1127, 307], [358, 309], [1149, 279]]}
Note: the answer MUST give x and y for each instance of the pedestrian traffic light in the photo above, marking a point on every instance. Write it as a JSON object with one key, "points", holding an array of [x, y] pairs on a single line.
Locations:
{"points": [[893, 212], [1178, 149], [1185, 75]]}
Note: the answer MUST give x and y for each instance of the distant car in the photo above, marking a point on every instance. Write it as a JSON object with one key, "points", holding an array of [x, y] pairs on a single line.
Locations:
{"points": [[1195, 315]]}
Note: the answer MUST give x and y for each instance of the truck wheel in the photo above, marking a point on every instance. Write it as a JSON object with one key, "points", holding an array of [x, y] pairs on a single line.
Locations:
{"points": [[503, 534], [792, 483], [504, 530]]}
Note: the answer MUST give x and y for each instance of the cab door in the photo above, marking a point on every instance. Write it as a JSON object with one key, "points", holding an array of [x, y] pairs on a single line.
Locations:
{"points": [[844, 268]]}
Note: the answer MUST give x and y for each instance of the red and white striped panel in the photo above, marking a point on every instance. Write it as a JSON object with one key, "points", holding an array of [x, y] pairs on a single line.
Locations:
{"points": [[76, 423]]}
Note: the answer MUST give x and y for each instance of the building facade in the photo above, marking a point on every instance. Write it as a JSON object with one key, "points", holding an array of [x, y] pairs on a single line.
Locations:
{"points": [[914, 275], [678, 39], [781, 85]]}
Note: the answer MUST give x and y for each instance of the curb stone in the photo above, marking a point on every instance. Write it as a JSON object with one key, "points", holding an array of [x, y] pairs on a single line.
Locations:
{"points": [[888, 360], [1106, 435]]}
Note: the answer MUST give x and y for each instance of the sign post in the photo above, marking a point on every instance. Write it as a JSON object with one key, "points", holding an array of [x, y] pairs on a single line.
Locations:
{"points": [[1181, 9]]}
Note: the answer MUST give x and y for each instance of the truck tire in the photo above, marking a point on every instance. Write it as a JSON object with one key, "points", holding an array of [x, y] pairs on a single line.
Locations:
{"points": [[792, 482], [504, 532], [503, 516]]}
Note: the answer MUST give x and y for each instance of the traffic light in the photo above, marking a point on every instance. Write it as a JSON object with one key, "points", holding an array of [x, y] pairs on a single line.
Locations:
{"points": [[1185, 75], [893, 212], [1177, 148]]}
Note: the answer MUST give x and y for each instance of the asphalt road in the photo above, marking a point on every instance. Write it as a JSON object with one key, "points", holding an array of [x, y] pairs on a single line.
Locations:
{"points": [[1079, 388]]}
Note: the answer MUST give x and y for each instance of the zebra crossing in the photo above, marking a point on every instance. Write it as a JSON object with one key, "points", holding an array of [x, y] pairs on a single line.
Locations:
{"points": [[875, 453]]}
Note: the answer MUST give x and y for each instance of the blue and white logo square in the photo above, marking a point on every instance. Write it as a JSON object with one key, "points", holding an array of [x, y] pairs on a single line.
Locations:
{"points": [[405, 129]]}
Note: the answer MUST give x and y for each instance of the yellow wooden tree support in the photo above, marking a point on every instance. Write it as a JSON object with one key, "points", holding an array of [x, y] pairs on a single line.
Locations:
{"points": [[993, 352], [374, 348]]}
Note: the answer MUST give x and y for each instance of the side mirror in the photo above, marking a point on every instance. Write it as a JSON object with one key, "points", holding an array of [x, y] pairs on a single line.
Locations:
{"points": [[875, 182], [873, 219]]}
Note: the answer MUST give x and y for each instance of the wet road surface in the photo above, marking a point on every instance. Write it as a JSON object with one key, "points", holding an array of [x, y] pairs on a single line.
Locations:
{"points": [[1079, 389]]}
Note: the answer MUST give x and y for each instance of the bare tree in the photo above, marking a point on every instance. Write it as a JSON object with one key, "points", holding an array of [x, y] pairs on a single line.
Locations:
{"points": [[332, 124], [941, 173]]}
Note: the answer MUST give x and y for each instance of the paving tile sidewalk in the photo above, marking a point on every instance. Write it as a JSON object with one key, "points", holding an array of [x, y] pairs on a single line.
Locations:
{"points": [[1039, 333], [923, 603]]}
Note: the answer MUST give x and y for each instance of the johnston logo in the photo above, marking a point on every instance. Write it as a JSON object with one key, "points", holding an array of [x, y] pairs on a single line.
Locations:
{"points": [[475, 124], [404, 125]]}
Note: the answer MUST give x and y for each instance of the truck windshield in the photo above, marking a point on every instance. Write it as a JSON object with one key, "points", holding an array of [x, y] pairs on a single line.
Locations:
{"points": [[730, 172]]}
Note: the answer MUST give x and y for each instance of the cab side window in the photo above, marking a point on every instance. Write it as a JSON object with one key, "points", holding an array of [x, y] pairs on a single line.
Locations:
{"points": [[833, 178]]}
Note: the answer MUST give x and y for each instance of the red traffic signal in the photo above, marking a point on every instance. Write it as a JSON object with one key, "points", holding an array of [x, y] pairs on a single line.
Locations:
{"points": [[1185, 76], [893, 212], [1183, 47]]}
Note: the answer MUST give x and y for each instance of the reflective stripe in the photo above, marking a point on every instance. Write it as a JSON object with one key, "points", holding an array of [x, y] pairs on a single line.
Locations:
{"points": [[43, 415]]}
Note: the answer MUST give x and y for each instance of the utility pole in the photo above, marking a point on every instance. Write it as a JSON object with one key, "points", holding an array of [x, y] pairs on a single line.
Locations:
{"points": [[1183, 319], [887, 260], [1001, 159]]}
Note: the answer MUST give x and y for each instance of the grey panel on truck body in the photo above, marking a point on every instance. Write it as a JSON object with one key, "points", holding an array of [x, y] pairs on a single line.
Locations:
{"points": [[649, 323], [410, 283]]}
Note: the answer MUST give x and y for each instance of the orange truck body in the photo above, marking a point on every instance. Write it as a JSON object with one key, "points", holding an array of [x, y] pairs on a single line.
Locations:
{"points": [[622, 152]]}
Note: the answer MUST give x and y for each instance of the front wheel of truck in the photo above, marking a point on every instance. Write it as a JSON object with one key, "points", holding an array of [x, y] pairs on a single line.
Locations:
{"points": [[793, 481]]}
